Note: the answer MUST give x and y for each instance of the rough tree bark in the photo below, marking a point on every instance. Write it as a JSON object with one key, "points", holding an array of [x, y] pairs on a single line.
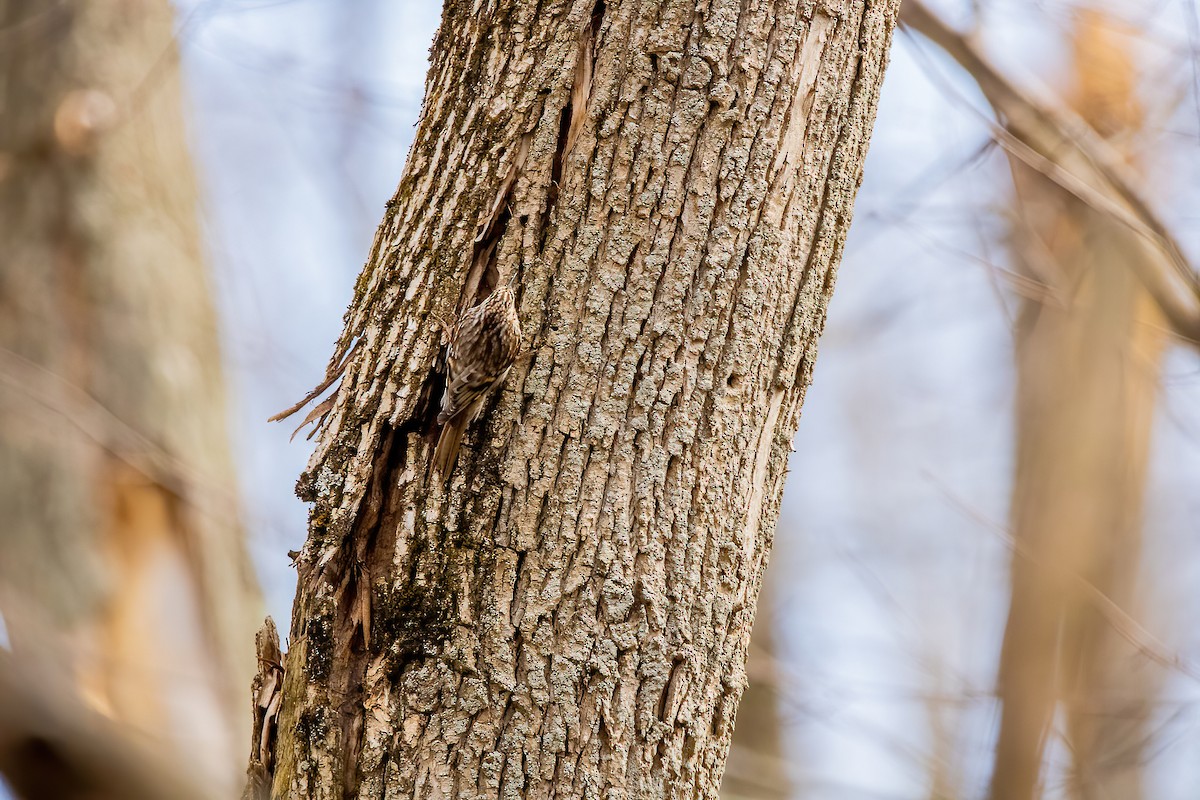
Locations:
{"points": [[122, 561], [669, 185]]}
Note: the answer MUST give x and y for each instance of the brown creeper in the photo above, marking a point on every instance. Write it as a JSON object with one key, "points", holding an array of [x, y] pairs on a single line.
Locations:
{"points": [[483, 346]]}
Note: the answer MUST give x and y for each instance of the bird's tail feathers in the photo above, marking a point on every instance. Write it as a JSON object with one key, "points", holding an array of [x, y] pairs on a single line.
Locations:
{"points": [[446, 452]]}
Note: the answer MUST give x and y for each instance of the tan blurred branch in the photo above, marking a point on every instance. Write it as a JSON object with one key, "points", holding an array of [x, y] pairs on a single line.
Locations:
{"points": [[122, 551], [1122, 622], [1057, 143], [53, 748], [53, 394], [1087, 369], [757, 767]]}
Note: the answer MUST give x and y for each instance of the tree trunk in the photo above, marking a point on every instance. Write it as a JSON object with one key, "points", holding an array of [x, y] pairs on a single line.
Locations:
{"points": [[668, 187], [1088, 352], [757, 766], [123, 560]]}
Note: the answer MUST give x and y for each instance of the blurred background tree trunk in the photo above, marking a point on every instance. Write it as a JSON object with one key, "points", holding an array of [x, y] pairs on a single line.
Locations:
{"points": [[1089, 344], [757, 768], [123, 557], [668, 188]]}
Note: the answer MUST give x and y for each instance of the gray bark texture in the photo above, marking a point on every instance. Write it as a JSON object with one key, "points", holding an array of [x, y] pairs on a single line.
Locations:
{"points": [[668, 186]]}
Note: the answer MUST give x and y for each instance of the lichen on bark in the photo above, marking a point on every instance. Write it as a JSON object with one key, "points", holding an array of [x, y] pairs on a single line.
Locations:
{"points": [[669, 184]]}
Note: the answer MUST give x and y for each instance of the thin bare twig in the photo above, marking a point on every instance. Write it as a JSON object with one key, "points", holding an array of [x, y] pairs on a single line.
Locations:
{"points": [[1066, 150], [52, 393], [1128, 628]]}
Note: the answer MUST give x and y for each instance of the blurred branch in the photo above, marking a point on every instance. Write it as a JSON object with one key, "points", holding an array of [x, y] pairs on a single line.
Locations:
{"points": [[1063, 147], [53, 748], [1122, 622], [756, 767], [50, 392]]}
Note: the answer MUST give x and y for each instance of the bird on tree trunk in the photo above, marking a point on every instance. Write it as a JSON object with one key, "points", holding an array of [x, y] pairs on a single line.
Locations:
{"points": [[483, 344]]}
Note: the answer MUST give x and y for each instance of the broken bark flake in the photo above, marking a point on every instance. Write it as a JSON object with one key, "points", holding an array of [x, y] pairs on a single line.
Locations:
{"points": [[573, 114], [482, 277], [581, 87], [266, 695]]}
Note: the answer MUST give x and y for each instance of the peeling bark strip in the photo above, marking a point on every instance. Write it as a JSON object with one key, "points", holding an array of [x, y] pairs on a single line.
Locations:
{"points": [[575, 111], [266, 695], [669, 185]]}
